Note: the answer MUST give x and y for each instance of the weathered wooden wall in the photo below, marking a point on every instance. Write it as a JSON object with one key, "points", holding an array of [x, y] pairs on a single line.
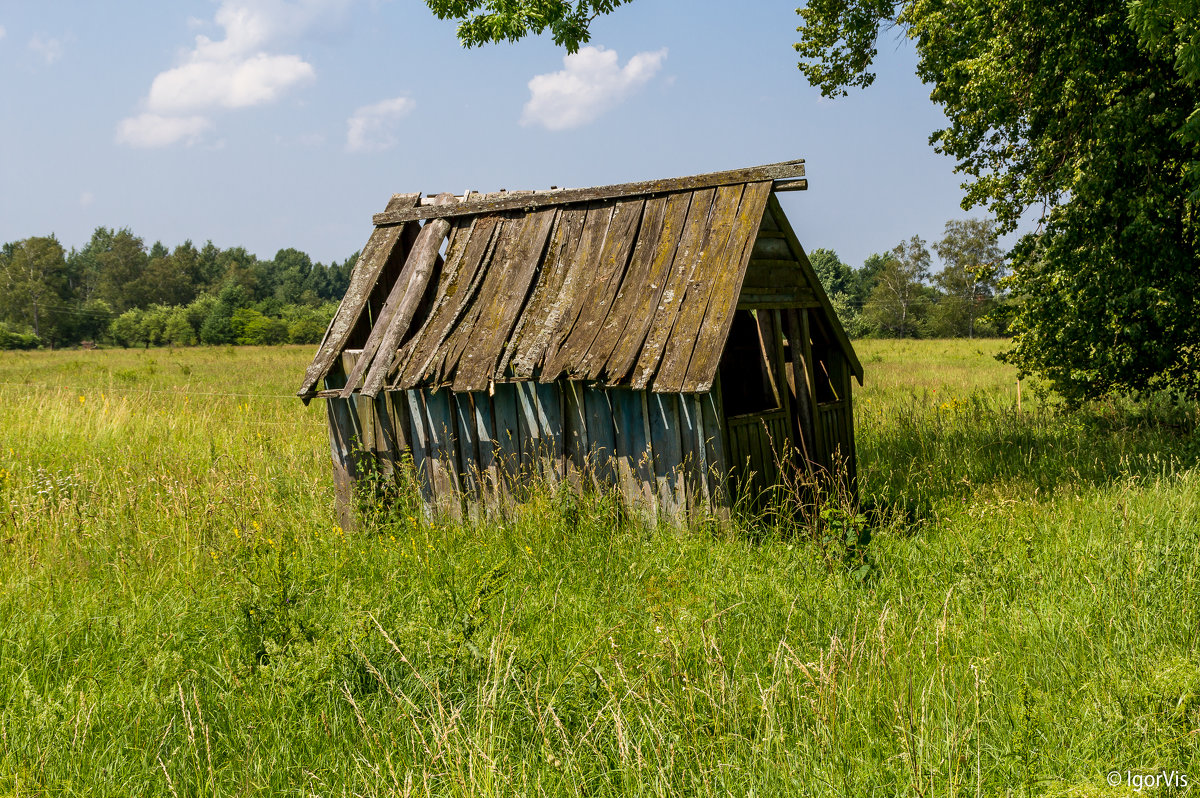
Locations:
{"points": [[479, 451]]}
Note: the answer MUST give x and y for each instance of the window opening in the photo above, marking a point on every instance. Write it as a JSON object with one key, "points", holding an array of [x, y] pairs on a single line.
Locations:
{"points": [[748, 383]]}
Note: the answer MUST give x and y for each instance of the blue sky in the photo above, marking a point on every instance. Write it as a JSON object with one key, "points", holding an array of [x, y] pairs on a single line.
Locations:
{"points": [[271, 124]]}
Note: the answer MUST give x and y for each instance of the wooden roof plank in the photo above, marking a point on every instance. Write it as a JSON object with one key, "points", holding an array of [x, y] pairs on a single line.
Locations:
{"points": [[532, 334], [632, 313], [776, 171], [397, 315], [562, 313], [460, 274], [712, 331], [707, 279], [362, 281], [684, 263], [502, 296], [445, 360], [595, 295]]}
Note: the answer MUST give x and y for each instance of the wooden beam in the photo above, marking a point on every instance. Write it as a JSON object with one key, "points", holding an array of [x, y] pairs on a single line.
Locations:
{"points": [[526, 201]]}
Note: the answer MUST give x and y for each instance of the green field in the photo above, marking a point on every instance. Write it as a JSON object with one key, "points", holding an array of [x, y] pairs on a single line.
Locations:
{"points": [[182, 616]]}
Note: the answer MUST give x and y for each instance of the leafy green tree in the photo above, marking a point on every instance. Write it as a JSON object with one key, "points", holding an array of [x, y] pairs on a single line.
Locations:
{"points": [[121, 259], [1084, 108], [127, 329], [866, 277], [33, 279], [840, 283], [178, 330], [970, 276], [485, 21], [897, 302]]}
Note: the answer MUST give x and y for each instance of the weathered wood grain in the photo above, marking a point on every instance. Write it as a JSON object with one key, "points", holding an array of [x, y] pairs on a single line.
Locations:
{"points": [[767, 172], [713, 260], [362, 281], [583, 321], [397, 314], [456, 285], [506, 432], [616, 346], [601, 423], [713, 331], [683, 266], [575, 433], [565, 308], [443, 455], [772, 248], [532, 336], [419, 438], [666, 443], [501, 297]]}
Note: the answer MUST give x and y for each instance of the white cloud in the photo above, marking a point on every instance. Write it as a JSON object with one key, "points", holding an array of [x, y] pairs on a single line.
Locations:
{"points": [[373, 128], [154, 130], [86, 198], [3, 32], [49, 49], [241, 70], [591, 83], [232, 83]]}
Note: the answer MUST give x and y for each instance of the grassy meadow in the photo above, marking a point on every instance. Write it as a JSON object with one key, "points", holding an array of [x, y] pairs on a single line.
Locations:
{"points": [[181, 615]]}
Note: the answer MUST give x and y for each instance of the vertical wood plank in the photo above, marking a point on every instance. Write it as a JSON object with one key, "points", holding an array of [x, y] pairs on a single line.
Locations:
{"points": [[713, 424], [443, 454], [601, 426], [485, 434], [666, 444], [550, 421], [507, 437], [695, 457], [341, 434], [635, 469], [419, 438], [468, 446], [575, 433]]}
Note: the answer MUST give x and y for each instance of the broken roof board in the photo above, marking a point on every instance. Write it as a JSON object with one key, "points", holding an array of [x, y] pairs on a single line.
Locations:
{"points": [[631, 285]]}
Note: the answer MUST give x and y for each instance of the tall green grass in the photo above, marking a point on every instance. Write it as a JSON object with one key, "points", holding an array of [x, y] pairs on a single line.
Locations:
{"points": [[180, 614]]}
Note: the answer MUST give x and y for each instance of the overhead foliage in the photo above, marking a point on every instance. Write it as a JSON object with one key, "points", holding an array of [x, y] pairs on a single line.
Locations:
{"points": [[492, 21], [1088, 111]]}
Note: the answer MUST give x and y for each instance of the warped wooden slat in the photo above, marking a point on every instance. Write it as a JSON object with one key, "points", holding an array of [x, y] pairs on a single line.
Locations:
{"points": [[461, 276], [632, 314], [712, 332], [561, 313], [501, 297], [397, 315], [532, 336], [712, 260], [768, 172], [684, 263], [594, 296], [366, 273]]}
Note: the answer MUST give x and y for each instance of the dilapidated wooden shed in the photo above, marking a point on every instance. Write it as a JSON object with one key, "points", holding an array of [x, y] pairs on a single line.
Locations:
{"points": [[668, 338]]}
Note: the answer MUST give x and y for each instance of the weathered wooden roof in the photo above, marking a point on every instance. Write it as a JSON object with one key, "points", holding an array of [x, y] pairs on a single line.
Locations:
{"points": [[629, 285]]}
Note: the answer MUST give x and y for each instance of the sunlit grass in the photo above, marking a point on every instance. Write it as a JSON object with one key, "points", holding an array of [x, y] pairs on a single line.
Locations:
{"points": [[181, 614]]}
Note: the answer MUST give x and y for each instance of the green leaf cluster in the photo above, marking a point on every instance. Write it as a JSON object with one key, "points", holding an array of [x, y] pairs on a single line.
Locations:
{"points": [[1086, 110], [493, 21]]}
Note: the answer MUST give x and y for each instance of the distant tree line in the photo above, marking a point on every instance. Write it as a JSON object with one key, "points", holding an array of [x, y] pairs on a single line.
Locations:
{"points": [[896, 295], [117, 290]]}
